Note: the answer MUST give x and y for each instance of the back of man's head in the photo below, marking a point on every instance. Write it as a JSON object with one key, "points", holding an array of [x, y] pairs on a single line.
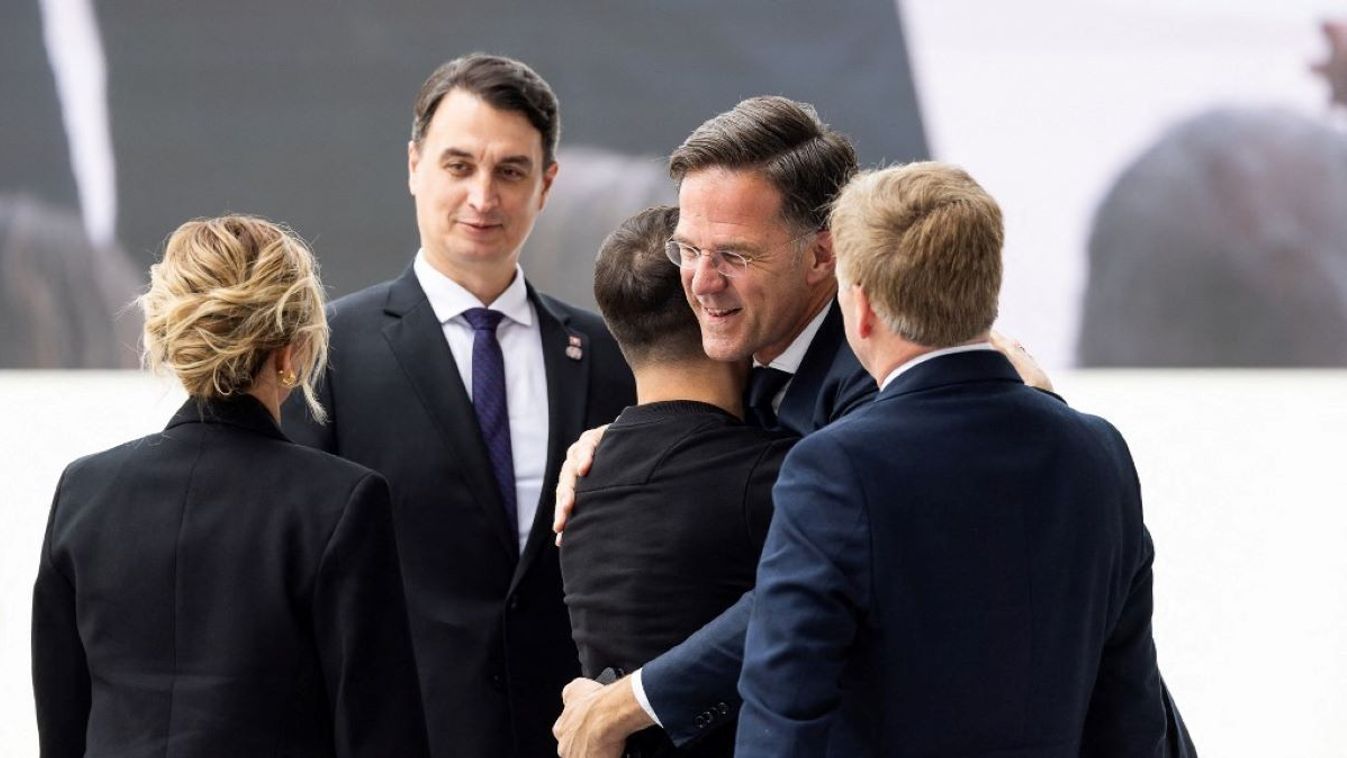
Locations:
{"points": [[640, 293], [503, 83], [924, 243], [801, 156]]}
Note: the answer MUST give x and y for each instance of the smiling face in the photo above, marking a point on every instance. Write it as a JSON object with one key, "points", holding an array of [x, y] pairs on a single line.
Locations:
{"points": [[479, 182], [760, 311]]}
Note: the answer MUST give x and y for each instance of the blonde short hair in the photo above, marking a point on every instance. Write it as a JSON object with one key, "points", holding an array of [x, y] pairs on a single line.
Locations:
{"points": [[924, 242], [228, 292]]}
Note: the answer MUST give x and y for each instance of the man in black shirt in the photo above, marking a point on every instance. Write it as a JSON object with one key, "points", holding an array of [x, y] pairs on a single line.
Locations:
{"points": [[679, 499]]}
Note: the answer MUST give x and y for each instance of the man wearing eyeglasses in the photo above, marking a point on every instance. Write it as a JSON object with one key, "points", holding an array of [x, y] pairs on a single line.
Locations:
{"points": [[754, 189], [755, 185]]}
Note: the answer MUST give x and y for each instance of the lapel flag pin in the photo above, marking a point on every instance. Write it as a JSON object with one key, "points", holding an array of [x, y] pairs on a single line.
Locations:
{"points": [[573, 352]]}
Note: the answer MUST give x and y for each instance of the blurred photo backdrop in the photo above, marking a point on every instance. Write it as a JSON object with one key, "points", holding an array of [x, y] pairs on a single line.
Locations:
{"points": [[1171, 176], [138, 115]]}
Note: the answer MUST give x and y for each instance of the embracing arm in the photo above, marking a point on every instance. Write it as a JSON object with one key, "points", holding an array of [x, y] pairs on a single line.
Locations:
{"points": [[813, 591], [1024, 363], [579, 458]]}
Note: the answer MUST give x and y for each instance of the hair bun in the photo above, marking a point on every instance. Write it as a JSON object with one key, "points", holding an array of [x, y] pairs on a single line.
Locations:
{"points": [[228, 292]]}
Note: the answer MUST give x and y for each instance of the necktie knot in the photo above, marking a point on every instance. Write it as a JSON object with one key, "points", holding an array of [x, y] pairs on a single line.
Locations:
{"points": [[483, 319], [764, 382]]}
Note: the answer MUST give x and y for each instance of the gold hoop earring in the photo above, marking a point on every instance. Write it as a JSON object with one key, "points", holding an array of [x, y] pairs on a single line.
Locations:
{"points": [[288, 378]]}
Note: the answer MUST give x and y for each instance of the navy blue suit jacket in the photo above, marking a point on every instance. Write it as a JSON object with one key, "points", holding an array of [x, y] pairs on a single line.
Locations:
{"points": [[960, 568], [829, 384], [693, 686]]}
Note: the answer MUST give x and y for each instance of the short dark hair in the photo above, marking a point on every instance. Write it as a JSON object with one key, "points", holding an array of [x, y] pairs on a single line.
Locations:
{"points": [[640, 293], [504, 83], [802, 157]]}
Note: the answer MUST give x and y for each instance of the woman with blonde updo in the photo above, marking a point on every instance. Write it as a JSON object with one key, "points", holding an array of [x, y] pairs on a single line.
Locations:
{"points": [[214, 589]]}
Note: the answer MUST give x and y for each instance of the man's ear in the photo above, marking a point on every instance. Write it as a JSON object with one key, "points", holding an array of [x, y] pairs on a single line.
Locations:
{"points": [[819, 258], [863, 312], [413, 157], [549, 176]]}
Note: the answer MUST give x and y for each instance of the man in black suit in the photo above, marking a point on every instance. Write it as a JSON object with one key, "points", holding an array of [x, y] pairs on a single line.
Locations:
{"points": [[680, 496], [463, 386], [961, 567]]}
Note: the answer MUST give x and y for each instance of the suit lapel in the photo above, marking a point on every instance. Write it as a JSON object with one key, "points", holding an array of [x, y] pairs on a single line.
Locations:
{"points": [[566, 359], [802, 395], [417, 340]]}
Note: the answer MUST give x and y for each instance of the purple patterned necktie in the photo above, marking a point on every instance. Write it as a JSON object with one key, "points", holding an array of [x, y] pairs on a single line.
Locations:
{"points": [[488, 400]]}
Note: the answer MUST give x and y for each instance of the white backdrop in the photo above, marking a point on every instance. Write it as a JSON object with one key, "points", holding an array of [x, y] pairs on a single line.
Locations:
{"points": [[1241, 473]]}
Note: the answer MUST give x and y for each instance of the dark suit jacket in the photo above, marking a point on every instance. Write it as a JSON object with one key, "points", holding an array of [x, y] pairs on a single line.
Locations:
{"points": [[492, 637], [961, 568], [693, 685], [829, 384], [214, 590], [676, 506]]}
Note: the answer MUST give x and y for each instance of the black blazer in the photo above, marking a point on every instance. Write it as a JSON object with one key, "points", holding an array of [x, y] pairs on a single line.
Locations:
{"points": [[215, 590], [959, 568], [492, 637], [829, 384]]}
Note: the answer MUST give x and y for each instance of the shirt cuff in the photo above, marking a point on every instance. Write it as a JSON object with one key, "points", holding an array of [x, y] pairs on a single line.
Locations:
{"points": [[638, 689]]}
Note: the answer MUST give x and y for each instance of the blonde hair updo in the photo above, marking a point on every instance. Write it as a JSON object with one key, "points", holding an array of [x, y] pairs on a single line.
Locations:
{"points": [[228, 292]]}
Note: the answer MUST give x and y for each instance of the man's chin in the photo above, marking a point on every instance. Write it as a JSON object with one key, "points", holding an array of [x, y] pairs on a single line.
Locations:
{"points": [[719, 349], [477, 252]]}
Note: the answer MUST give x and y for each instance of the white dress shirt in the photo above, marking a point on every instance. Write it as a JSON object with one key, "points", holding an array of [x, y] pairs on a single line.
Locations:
{"points": [[933, 354], [525, 376], [790, 359]]}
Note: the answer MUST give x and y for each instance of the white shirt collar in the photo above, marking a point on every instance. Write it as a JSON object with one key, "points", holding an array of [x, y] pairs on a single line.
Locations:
{"points": [[790, 359], [449, 299], [933, 354]]}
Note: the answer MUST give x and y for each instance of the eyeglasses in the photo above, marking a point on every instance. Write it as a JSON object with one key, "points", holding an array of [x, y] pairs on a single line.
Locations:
{"points": [[725, 262]]}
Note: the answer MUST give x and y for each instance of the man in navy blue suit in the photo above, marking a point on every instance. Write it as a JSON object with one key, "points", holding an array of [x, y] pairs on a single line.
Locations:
{"points": [[756, 256], [960, 567], [755, 184]]}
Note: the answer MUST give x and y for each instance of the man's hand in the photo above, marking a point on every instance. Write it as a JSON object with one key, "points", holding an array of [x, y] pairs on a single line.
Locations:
{"points": [[579, 457], [1024, 363], [597, 719]]}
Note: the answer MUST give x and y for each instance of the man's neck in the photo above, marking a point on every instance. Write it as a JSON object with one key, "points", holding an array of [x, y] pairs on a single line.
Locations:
{"points": [[898, 351], [818, 301], [486, 282], [714, 382]]}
